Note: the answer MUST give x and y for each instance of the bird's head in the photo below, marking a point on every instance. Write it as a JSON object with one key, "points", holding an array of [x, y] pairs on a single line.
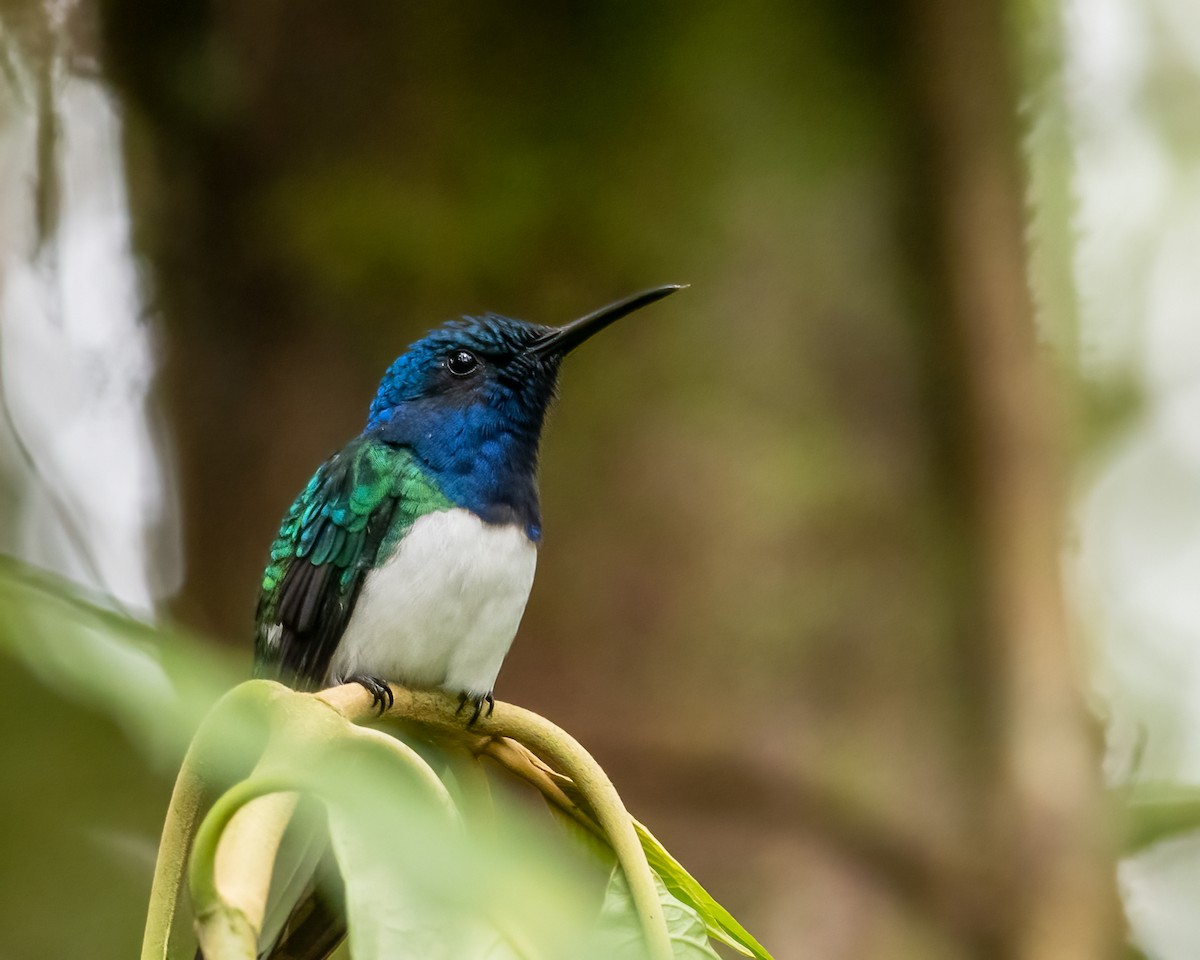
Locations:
{"points": [[464, 369], [470, 397], [490, 368]]}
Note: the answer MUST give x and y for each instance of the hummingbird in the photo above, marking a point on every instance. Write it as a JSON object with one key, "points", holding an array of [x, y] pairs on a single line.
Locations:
{"points": [[410, 554]]}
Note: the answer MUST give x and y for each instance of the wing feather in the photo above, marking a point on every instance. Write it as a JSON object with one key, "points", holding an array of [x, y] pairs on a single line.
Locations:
{"points": [[357, 506]]}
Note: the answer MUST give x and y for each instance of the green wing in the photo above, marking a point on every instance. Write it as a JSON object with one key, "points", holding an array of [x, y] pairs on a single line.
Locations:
{"points": [[349, 518]]}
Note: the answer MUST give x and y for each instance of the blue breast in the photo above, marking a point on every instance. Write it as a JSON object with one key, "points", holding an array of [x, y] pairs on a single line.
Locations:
{"points": [[481, 459]]}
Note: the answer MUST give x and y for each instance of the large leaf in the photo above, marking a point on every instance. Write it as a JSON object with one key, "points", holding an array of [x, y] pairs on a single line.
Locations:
{"points": [[717, 920], [620, 935], [420, 886], [156, 683], [97, 709]]}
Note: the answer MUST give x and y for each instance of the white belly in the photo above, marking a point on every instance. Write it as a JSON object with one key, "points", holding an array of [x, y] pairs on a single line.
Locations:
{"points": [[442, 611]]}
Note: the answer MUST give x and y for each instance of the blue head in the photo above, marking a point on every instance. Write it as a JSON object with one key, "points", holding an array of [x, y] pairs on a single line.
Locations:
{"points": [[469, 400]]}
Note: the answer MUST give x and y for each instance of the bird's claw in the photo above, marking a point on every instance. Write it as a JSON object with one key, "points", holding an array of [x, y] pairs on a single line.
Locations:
{"points": [[382, 698], [477, 704]]}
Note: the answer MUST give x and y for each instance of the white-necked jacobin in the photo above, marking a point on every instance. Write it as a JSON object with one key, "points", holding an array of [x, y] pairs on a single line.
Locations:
{"points": [[410, 554]]}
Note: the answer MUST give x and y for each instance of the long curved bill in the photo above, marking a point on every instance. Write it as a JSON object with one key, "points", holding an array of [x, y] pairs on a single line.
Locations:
{"points": [[563, 339]]}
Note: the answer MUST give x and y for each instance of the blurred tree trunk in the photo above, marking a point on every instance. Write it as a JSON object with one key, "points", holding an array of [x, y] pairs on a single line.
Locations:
{"points": [[1041, 801]]}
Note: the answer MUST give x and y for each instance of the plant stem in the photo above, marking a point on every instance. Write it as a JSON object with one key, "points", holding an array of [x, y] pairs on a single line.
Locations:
{"points": [[242, 832], [202, 879], [230, 911], [439, 710], [195, 787]]}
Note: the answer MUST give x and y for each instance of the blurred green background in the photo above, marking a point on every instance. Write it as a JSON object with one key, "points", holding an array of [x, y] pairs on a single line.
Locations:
{"points": [[761, 595]]}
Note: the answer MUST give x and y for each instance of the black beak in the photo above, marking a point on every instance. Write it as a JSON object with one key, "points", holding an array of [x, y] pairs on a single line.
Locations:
{"points": [[562, 340]]}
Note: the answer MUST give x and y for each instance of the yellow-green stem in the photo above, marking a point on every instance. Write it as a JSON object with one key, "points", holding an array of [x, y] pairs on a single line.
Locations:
{"points": [[439, 711], [228, 930], [202, 869], [194, 789]]}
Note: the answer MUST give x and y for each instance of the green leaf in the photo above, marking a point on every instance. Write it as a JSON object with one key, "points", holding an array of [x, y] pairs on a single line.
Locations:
{"points": [[1158, 812], [382, 831], [101, 706], [156, 684], [620, 935], [717, 920], [421, 886]]}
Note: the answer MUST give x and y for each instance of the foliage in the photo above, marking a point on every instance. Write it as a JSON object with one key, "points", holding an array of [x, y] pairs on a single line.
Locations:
{"points": [[1158, 811], [435, 865]]}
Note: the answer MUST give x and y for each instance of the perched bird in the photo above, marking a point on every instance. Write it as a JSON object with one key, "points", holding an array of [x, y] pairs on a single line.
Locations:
{"points": [[410, 554]]}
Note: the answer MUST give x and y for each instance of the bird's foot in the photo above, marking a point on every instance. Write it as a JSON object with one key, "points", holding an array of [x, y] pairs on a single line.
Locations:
{"points": [[477, 704], [382, 697]]}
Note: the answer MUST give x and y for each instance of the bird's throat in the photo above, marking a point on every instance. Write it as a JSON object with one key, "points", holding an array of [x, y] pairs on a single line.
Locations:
{"points": [[481, 460]]}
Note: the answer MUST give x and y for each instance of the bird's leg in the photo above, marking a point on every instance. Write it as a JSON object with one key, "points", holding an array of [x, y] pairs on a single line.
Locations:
{"points": [[382, 697], [477, 703]]}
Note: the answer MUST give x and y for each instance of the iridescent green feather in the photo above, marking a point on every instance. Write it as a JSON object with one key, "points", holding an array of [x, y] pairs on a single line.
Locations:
{"points": [[335, 521]]}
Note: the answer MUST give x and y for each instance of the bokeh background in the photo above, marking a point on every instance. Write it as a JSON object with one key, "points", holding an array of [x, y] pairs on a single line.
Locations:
{"points": [[805, 522]]}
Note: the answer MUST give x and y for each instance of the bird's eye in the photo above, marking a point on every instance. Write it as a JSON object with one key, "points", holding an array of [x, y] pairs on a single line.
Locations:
{"points": [[462, 363]]}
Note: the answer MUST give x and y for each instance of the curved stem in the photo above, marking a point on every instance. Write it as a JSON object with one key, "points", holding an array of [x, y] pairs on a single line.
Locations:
{"points": [[560, 748], [248, 854], [229, 926], [202, 870], [194, 790], [439, 710], [521, 762], [230, 903], [188, 798]]}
